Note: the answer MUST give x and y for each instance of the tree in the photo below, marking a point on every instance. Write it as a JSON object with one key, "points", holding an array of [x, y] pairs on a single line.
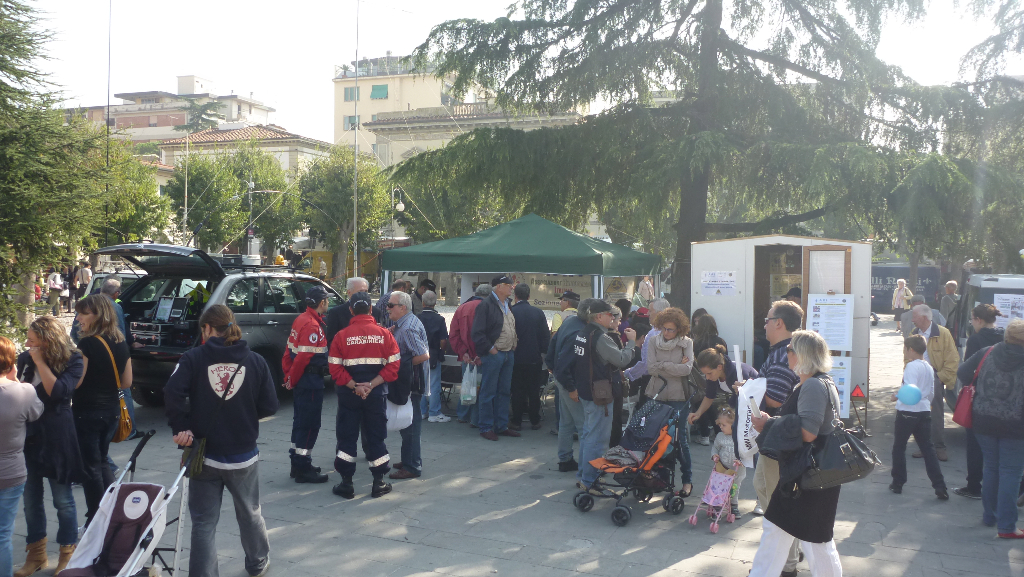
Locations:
{"points": [[147, 148], [215, 206], [201, 117], [275, 210], [743, 124], [133, 208], [326, 187]]}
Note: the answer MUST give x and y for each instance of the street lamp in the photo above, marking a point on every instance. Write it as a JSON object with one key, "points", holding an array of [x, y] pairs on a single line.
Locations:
{"points": [[400, 207]]}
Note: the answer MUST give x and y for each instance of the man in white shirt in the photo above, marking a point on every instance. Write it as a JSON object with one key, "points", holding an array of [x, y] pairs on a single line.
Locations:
{"points": [[83, 277], [55, 282], [916, 420]]}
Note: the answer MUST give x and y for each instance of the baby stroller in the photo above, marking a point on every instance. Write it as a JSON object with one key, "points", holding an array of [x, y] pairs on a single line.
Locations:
{"points": [[127, 527], [653, 431], [715, 500]]}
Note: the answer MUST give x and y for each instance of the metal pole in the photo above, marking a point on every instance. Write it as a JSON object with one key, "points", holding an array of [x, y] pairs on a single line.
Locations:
{"points": [[355, 164]]}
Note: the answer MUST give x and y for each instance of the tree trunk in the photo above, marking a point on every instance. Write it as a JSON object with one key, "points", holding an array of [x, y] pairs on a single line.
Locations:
{"points": [[27, 298], [338, 260], [694, 185], [915, 259]]}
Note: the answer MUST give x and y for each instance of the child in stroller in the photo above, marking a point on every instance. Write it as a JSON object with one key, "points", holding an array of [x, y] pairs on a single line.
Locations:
{"points": [[722, 492], [641, 464]]}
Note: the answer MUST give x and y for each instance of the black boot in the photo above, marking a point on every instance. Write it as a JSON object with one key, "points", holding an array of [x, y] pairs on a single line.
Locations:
{"points": [[567, 466], [295, 471], [311, 475], [380, 488], [345, 488]]}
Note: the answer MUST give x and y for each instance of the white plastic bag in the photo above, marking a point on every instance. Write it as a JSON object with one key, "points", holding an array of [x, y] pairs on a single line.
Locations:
{"points": [[399, 416], [747, 434], [470, 382]]}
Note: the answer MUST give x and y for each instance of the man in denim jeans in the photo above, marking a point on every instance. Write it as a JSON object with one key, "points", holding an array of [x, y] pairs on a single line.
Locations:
{"points": [[494, 338]]}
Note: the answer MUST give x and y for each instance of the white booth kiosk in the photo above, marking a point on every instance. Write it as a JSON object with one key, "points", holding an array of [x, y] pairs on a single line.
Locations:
{"points": [[737, 280]]}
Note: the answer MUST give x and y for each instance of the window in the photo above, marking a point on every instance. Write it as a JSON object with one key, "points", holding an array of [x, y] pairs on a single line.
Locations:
{"points": [[242, 298], [351, 93], [373, 118], [280, 296], [304, 285], [150, 100], [379, 92], [351, 122]]}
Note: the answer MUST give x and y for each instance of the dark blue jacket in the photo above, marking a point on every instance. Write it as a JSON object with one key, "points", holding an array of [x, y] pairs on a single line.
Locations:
{"points": [[51, 444], [532, 332], [564, 353]]}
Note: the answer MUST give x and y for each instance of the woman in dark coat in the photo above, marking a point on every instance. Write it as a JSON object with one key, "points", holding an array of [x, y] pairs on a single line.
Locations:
{"points": [[811, 515], [54, 366]]}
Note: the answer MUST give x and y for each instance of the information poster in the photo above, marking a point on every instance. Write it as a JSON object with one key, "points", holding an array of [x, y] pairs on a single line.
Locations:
{"points": [[840, 373], [718, 283], [619, 287], [831, 316], [1011, 306], [546, 289]]}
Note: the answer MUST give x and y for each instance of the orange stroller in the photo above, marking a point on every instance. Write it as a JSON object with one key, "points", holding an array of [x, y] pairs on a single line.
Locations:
{"points": [[655, 473]]}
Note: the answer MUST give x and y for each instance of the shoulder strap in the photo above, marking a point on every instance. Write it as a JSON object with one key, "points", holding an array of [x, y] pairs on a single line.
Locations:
{"points": [[117, 375], [833, 395], [978, 370]]}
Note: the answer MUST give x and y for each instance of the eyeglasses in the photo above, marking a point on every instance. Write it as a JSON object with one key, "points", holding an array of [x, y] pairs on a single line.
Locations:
{"points": [[766, 319], [393, 305]]}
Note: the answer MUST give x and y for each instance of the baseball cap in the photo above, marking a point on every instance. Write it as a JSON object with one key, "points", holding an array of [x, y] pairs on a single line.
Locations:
{"points": [[502, 279], [793, 292], [316, 294], [599, 307], [570, 296], [360, 300], [643, 312]]}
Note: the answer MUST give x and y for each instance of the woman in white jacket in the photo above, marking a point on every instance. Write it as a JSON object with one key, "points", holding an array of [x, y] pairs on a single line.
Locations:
{"points": [[669, 362]]}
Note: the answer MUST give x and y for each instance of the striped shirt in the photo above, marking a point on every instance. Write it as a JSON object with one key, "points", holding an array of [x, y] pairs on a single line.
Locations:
{"points": [[412, 337], [780, 378]]}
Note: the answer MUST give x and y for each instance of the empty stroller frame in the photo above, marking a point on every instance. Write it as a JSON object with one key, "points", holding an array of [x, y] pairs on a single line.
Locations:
{"points": [[654, 474], [128, 526], [716, 500]]}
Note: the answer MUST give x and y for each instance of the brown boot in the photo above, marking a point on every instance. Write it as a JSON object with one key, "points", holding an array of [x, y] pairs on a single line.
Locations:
{"points": [[35, 560], [66, 551]]}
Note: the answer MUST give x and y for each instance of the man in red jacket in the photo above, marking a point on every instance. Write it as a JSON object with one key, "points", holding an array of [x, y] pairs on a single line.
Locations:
{"points": [[363, 357], [460, 337], [305, 365]]}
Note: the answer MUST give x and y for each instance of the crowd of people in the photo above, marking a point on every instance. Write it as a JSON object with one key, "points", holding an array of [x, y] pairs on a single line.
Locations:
{"points": [[61, 399]]}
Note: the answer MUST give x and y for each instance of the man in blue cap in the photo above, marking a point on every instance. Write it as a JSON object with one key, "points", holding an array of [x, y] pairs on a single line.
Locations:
{"points": [[305, 365]]}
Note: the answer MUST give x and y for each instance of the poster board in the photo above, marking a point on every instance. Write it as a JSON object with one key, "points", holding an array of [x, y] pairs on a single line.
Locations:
{"points": [[781, 283], [831, 316], [547, 289], [1011, 306], [619, 287], [718, 283], [841, 375]]}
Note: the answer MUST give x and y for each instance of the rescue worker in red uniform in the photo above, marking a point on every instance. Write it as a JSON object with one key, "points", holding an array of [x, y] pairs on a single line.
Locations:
{"points": [[364, 357], [305, 366]]}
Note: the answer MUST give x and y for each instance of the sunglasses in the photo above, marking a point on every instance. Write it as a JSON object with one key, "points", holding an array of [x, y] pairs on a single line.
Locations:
{"points": [[393, 305]]}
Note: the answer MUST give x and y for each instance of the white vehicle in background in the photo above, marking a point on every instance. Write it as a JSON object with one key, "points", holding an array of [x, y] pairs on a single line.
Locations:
{"points": [[127, 278]]}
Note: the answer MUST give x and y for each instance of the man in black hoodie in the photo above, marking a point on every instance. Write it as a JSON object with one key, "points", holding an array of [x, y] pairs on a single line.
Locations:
{"points": [[218, 392]]}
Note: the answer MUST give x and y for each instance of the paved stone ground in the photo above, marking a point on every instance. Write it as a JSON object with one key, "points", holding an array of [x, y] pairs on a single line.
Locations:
{"points": [[485, 508]]}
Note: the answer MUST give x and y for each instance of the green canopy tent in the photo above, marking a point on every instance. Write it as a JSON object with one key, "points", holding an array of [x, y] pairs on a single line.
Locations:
{"points": [[529, 244]]}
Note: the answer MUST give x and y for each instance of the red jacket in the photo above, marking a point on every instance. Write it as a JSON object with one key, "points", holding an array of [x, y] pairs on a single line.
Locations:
{"points": [[307, 345], [363, 350], [460, 337]]}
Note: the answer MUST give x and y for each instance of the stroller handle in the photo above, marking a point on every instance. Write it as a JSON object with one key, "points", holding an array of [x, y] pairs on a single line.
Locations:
{"points": [[138, 448]]}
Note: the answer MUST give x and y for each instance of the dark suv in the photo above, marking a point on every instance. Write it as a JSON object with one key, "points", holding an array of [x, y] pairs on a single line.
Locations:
{"points": [[162, 307]]}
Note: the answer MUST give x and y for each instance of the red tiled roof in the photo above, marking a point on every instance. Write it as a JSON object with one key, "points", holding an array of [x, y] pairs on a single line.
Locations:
{"points": [[260, 132]]}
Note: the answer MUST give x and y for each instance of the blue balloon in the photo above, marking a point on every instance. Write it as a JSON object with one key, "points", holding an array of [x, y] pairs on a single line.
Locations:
{"points": [[909, 395]]}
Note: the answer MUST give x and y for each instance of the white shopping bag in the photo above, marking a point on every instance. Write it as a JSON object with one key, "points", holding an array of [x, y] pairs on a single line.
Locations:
{"points": [[470, 382], [399, 416], [746, 433]]}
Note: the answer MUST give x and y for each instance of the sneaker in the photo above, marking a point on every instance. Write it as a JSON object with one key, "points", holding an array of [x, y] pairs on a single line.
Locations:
{"points": [[705, 441], [439, 419], [736, 512], [941, 454], [1020, 501], [567, 466], [263, 571], [758, 511], [345, 488], [963, 492]]}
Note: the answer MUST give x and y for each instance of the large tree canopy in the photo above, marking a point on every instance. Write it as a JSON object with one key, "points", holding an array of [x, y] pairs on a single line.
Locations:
{"points": [[778, 106]]}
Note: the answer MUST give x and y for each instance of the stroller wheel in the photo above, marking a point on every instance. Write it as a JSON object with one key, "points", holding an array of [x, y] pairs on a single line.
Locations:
{"points": [[621, 516], [693, 519], [714, 527], [676, 505], [584, 502], [666, 502], [731, 518]]}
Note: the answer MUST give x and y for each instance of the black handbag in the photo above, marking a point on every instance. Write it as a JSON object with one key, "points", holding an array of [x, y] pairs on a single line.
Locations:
{"points": [[838, 458]]}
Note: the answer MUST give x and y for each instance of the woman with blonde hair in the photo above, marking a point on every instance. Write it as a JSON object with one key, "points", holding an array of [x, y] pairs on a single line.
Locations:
{"points": [[810, 516], [97, 404], [669, 362], [901, 296], [54, 366]]}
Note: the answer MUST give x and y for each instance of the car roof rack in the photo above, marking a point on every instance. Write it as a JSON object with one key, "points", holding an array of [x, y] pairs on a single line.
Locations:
{"points": [[259, 267]]}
